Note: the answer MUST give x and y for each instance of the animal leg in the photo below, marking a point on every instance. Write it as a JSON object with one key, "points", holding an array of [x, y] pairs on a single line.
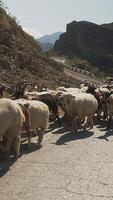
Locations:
{"points": [[91, 122], [2, 147], [29, 139], [74, 125], [59, 121], [8, 145], [109, 122], [17, 146], [87, 121], [40, 137]]}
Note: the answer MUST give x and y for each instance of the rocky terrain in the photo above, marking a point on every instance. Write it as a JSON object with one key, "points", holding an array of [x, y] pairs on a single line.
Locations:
{"points": [[21, 57], [88, 41]]}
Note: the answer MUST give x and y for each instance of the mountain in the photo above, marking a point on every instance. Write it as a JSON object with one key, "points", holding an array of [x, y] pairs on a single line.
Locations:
{"points": [[47, 41], [88, 41], [110, 25], [45, 46], [50, 38], [21, 57]]}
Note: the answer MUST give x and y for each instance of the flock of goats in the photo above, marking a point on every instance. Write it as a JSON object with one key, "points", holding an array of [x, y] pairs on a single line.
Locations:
{"points": [[30, 110]]}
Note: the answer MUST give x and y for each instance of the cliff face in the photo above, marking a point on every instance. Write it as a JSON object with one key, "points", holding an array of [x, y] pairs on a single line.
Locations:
{"points": [[88, 41], [21, 57]]}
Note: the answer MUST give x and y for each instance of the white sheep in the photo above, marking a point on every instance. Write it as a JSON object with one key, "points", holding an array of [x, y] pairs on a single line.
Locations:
{"points": [[74, 91], [109, 108], [11, 121], [80, 106], [39, 117], [69, 90]]}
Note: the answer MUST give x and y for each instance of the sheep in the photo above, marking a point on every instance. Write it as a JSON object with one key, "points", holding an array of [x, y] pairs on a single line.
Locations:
{"points": [[84, 88], [100, 95], [39, 117], [62, 89], [73, 92], [109, 100], [11, 121], [81, 106], [48, 98], [69, 89]]}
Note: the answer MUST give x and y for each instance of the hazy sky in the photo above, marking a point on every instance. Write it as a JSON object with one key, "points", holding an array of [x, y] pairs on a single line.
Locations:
{"points": [[40, 17]]}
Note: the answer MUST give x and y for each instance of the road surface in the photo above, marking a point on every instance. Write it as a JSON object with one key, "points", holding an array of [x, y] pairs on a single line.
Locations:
{"points": [[68, 167]]}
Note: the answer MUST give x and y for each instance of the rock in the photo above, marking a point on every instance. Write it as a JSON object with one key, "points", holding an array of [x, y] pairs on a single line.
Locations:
{"points": [[89, 41]]}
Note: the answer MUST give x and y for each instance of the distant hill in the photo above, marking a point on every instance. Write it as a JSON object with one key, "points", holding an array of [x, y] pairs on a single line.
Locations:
{"points": [[50, 38], [88, 41], [45, 46], [47, 41]]}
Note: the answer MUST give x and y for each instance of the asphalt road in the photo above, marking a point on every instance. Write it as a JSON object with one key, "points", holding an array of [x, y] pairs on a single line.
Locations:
{"points": [[67, 167]]}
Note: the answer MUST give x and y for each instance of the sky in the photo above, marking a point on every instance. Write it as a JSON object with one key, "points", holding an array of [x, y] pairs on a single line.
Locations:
{"points": [[41, 17]]}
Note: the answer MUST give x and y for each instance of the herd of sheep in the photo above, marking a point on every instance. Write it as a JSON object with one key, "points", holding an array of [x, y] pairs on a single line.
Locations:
{"points": [[27, 110]]}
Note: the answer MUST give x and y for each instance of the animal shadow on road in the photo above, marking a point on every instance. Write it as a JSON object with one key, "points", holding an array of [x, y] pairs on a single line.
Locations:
{"points": [[100, 123], [53, 126], [106, 135], [73, 136], [25, 150], [6, 164]]}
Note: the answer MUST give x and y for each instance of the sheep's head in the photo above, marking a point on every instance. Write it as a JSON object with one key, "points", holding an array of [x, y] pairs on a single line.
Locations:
{"points": [[62, 102], [91, 89], [20, 90], [65, 101]]}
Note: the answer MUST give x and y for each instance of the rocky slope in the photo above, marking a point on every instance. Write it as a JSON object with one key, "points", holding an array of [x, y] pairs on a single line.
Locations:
{"points": [[45, 46], [21, 57], [88, 41]]}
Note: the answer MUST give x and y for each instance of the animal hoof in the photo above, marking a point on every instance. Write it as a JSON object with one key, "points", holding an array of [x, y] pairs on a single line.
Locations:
{"points": [[107, 129], [39, 144]]}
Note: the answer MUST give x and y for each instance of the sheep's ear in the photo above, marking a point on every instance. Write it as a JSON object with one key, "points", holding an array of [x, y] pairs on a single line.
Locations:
{"points": [[27, 105], [100, 91], [110, 93]]}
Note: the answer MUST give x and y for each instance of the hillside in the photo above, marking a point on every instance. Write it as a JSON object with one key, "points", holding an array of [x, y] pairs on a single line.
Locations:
{"points": [[45, 46], [21, 57], [88, 41]]}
